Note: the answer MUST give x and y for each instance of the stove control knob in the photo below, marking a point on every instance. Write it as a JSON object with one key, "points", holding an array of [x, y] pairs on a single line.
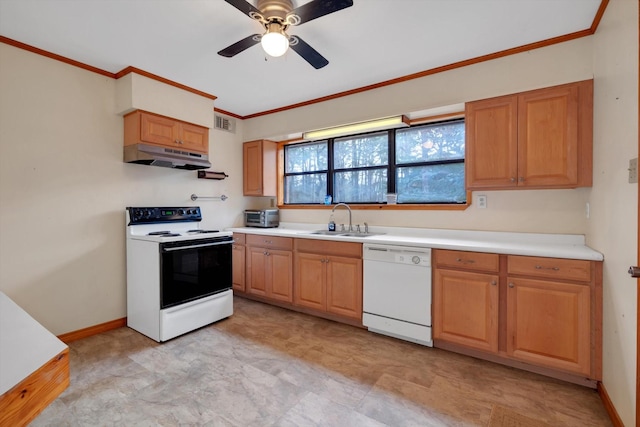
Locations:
{"points": [[180, 211]]}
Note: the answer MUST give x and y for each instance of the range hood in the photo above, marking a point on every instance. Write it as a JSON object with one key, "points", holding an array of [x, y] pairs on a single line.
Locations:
{"points": [[145, 154]]}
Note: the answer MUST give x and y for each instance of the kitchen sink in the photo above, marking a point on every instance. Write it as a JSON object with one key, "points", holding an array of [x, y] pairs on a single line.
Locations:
{"points": [[344, 233], [328, 233]]}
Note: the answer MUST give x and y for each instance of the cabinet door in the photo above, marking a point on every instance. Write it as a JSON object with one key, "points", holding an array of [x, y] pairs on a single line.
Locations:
{"points": [[280, 275], [548, 324], [158, 130], [310, 281], [238, 265], [259, 168], [548, 137], [194, 138], [252, 173], [491, 143], [257, 268], [465, 309], [344, 286]]}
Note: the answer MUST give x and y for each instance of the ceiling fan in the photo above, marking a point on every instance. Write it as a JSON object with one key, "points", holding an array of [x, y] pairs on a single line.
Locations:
{"points": [[276, 16]]}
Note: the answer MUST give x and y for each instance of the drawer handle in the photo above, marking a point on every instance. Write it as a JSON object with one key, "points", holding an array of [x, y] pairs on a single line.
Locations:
{"points": [[465, 261], [539, 267], [268, 241]]}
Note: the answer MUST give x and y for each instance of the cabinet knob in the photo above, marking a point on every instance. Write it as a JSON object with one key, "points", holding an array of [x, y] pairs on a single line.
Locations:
{"points": [[521, 179], [493, 283], [513, 179], [511, 285]]}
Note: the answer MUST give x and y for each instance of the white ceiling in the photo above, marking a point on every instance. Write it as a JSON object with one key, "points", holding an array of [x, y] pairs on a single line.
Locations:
{"points": [[370, 42]]}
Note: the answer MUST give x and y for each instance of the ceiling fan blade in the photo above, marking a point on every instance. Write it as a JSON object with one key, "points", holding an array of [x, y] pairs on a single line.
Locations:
{"points": [[315, 9], [244, 7], [307, 53], [240, 46]]}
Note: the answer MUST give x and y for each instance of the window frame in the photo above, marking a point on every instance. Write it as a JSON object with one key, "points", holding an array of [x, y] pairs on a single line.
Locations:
{"points": [[391, 168]]}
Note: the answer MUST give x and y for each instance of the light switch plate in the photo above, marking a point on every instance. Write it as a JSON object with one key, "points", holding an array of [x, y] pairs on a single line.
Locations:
{"points": [[633, 171]]}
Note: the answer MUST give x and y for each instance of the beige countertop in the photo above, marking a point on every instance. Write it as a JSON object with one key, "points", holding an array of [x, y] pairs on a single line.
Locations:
{"points": [[571, 246]]}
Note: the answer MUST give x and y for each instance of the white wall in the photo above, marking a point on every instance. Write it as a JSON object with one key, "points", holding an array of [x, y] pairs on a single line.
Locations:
{"points": [[548, 211], [64, 187], [613, 225]]}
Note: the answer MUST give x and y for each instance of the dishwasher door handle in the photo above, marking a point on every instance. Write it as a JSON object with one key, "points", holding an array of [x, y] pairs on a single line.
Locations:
{"points": [[398, 251]]}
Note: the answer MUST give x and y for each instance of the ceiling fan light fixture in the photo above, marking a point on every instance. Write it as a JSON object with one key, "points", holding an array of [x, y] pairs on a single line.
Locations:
{"points": [[275, 42]]}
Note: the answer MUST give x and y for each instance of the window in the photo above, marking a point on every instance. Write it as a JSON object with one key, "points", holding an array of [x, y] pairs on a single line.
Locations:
{"points": [[421, 164]]}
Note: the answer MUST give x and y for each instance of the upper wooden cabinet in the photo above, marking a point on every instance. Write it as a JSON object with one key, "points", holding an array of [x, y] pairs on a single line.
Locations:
{"points": [[148, 128], [259, 168], [536, 139]]}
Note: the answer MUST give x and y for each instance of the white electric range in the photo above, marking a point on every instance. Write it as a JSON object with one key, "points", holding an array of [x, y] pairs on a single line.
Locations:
{"points": [[178, 275]]}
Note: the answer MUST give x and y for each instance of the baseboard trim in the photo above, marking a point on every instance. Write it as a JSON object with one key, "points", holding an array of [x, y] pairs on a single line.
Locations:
{"points": [[92, 330], [608, 405]]}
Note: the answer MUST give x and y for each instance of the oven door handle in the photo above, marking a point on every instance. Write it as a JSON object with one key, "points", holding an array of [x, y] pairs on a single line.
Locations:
{"points": [[204, 245]]}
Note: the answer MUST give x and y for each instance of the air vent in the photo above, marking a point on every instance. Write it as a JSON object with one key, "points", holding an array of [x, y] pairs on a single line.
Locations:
{"points": [[224, 123]]}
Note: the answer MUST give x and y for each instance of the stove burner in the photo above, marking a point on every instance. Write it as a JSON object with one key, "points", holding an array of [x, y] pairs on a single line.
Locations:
{"points": [[163, 234], [202, 231]]}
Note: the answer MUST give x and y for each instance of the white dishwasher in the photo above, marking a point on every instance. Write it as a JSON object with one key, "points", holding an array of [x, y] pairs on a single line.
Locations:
{"points": [[397, 292]]}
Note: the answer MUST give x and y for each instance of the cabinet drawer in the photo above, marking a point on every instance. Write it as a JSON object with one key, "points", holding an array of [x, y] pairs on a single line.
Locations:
{"points": [[467, 260], [239, 238], [329, 247], [271, 242], [567, 269]]}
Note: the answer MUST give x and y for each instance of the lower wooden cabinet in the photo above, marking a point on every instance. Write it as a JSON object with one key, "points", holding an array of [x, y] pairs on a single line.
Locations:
{"points": [[548, 323], [328, 277], [320, 277], [525, 311], [310, 281], [269, 265], [465, 308], [238, 262]]}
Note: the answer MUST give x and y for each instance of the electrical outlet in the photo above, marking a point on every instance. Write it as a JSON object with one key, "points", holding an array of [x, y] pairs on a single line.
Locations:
{"points": [[482, 202], [633, 171]]}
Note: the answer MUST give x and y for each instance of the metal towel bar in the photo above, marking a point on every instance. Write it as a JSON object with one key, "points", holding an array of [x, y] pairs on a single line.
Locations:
{"points": [[222, 197]]}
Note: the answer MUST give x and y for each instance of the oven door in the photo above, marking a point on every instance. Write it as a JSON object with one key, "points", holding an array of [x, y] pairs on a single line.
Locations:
{"points": [[193, 269]]}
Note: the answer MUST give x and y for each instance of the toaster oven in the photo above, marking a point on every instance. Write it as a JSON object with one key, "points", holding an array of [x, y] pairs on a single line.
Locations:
{"points": [[264, 218]]}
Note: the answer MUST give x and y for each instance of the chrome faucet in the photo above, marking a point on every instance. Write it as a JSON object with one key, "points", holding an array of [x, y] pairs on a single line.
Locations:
{"points": [[346, 206]]}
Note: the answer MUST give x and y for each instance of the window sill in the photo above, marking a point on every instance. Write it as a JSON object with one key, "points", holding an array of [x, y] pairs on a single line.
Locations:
{"points": [[385, 207]]}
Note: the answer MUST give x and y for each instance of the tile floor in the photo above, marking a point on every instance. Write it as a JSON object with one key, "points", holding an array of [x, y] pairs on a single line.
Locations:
{"points": [[267, 366]]}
